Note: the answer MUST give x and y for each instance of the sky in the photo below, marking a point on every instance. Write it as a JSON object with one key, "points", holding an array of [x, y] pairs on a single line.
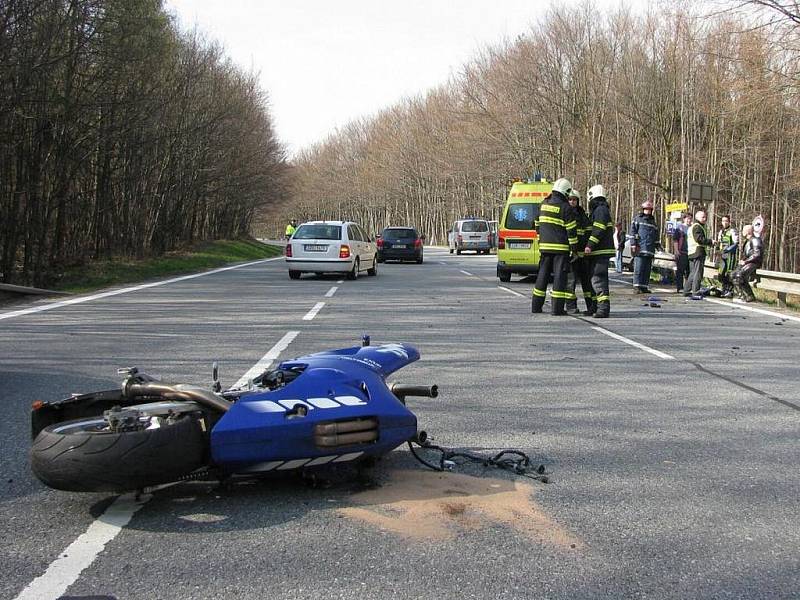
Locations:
{"points": [[324, 63]]}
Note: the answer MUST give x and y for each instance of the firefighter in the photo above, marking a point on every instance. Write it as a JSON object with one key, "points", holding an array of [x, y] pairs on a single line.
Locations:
{"points": [[644, 239], [752, 259], [558, 242], [728, 244], [696, 243], [291, 228], [580, 267], [600, 248]]}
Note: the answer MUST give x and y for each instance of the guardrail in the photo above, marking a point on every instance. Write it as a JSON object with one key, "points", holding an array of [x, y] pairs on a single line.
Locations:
{"points": [[774, 281]]}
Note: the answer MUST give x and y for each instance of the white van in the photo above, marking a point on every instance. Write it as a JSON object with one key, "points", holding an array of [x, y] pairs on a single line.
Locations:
{"points": [[331, 247], [469, 234]]}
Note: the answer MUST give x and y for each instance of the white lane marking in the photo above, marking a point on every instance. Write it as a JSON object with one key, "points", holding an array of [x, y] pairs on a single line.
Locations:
{"points": [[663, 290], [441, 262], [466, 272], [340, 281], [331, 292], [634, 344], [267, 359], [65, 570], [136, 288], [510, 291], [761, 311], [80, 554], [313, 312], [620, 281]]}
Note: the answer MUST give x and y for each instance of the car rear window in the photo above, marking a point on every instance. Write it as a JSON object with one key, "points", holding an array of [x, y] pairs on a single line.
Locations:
{"points": [[318, 232], [475, 226], [521, 216], [391, 235]]}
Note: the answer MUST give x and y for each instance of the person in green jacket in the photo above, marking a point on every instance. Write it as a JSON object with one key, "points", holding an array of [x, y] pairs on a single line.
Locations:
{"points": [[291, 228]]}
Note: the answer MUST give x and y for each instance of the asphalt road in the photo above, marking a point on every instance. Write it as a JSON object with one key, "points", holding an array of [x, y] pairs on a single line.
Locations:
{"points": [[674, 475]]}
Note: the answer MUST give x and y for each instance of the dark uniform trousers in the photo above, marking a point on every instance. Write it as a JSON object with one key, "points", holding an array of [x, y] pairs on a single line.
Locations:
{"points": [[599, 270], [581, 272], [558, 266]]}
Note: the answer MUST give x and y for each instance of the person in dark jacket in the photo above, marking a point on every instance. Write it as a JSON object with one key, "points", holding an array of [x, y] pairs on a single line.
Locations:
{"points": [[600, 248], [681, 251], [697, 241], [580, 266], [558, 241], [752, 259], [644, 239]]}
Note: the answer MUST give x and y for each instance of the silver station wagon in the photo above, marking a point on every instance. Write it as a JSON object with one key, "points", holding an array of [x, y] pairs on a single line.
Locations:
{"points": [[331, 247]]}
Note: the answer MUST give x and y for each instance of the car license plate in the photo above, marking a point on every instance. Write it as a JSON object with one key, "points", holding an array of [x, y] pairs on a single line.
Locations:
{"points": [[474, 237], [398, 246], [519, 245], [315, 247]]}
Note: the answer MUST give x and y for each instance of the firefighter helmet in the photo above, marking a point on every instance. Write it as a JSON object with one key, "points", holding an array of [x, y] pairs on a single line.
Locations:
{"points": [[596, 191], [573, 193], [563, 186]]}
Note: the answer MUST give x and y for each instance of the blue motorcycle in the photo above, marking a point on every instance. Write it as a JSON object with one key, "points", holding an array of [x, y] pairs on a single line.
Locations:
{"points": [[311, 412]]}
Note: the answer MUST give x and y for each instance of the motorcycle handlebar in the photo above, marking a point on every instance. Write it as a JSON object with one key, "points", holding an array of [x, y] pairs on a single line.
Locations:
{"points": [[401, 390]]}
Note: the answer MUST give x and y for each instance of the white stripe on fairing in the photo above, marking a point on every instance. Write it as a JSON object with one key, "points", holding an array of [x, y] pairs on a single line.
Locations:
{"points": [[266, 360], [264, 406], [262, 467], [291, 403], [136, 288], [350, 400], [293, 464], [321, 460], [65, 570], [331, 292], [616, 336], [313, 312], [323, 403], [346, 457]]}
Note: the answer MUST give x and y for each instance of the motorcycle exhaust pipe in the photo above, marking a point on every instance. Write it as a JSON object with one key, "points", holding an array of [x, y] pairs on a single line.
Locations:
{"points": [[177, 391]]}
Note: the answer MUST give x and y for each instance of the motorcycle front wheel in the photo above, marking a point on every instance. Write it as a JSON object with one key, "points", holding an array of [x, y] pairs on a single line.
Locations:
{"points": [[85, 455]]}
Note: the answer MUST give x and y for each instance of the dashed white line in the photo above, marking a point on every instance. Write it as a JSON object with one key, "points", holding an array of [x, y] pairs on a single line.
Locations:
{"points": [[44, 307], [616, 336], [65, 570], [267, 359], [340, 281], [510, 291], [466, 272], [753, 309], [80, 554], [331, 292], [313, 312]]}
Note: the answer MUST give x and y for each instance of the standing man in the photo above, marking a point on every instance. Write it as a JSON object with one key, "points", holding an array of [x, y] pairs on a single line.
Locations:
{"points": [[752, 259], [600, 248], [681, 251], [558, 240], [696, 243], [644, 238], [728, 244], [580, 268], [291, 228], [619, 245]]}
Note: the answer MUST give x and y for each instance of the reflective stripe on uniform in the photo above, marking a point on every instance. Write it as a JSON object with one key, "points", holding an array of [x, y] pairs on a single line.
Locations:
{"points": [[540, 293], [553, 246]]}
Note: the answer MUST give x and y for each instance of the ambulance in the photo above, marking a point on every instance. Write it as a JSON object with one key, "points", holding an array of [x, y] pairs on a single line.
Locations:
{"points": [[517, 241]]}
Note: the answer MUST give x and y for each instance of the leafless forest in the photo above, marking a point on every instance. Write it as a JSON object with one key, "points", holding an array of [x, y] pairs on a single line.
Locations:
{"points": [[642, 104], [120, 135]]}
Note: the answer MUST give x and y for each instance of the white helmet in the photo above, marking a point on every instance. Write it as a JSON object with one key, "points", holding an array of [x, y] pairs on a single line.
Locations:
{"points": [[573, 193], [596, 191], [562, 186]]}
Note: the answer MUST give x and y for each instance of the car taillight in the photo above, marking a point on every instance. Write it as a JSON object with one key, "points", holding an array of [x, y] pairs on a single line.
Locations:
{"points": [[379, 241], [417, 243], [344, 251], [289, 250], [501, 243]]}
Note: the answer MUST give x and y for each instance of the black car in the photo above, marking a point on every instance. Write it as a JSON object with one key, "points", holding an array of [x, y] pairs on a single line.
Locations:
{"points": [[400, 243]]}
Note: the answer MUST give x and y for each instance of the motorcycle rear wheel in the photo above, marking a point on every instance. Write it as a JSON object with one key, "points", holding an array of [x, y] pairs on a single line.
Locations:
{"points": [[85, 456]]}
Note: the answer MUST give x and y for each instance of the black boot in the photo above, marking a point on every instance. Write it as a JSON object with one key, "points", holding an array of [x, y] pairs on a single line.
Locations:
{"points": [[558, 307]]}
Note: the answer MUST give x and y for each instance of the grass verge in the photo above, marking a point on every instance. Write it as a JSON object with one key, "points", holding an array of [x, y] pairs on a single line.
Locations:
{"points": [[200, 257]]}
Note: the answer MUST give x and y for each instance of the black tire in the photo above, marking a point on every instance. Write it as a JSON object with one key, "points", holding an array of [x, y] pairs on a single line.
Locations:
{"points": [[458, 251], [374, 270], [294, 274], [353, 274], [451, 250], [75, 457], [504, 276], [419, 260]]}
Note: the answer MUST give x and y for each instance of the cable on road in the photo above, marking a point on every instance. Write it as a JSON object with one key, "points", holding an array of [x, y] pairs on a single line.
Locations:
{"points": [[510, 460]]}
